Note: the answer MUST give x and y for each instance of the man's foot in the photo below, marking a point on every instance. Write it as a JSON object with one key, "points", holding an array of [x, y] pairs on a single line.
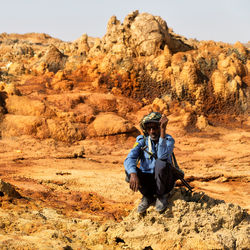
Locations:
{"points": [[161, 203], [145, 204]]}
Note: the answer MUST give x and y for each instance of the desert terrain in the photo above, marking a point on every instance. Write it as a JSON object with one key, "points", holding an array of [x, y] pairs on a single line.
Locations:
{"points": [[69, 115]]}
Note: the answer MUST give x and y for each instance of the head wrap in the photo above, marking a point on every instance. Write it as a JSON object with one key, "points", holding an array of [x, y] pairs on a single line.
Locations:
{"points": [[152, 117]]}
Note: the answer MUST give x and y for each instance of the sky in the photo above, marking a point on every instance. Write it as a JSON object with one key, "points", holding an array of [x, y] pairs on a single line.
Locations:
{"points": [[218, 20]]}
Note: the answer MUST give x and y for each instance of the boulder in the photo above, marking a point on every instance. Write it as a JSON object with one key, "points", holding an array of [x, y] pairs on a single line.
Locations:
{"points": [[84, 113], [54, 59], [110, 124], [23, 105], [202, 122], [82, 45], [141, 34], [79, 152], [65, 131], [148, 34], [103, 102], [16, 125]]}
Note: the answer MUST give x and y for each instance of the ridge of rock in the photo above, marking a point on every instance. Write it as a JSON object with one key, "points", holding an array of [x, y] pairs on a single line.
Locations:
{"points": [[141, 58]]}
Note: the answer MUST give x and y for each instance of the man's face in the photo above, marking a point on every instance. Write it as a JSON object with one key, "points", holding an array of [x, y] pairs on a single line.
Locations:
{"points": [[153, 129]]}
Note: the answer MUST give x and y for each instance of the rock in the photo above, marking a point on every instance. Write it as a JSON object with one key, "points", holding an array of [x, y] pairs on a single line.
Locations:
{"points": [[17, 125], [231, 64], [65, 131], [202, 122], [189, 120], [79, 152], [219, 82], [141, 34], [148, 34], [9, 88], [8, 189], [54, 59], [160, 105], [240, 48], [110, 124], [16, 69], [59, 76], [82, 45], [23, 50], [46, 91], [22, 105], [103, 102], [190, 221], [141, 58], [60, 82], [85, 113], [2, 112], [62, 85]]}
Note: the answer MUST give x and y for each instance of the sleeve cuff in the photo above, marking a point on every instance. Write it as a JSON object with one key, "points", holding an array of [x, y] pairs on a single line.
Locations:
{"points": [[131, 171]]}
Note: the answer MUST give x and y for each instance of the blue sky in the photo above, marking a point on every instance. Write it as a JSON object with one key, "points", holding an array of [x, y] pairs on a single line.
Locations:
{"points": [[218, 20]]}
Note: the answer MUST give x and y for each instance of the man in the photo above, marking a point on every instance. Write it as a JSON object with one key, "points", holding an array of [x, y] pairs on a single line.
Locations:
{"points": [[154, 179]]}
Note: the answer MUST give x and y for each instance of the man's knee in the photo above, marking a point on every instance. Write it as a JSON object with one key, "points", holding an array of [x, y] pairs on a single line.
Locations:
{"points": [[138, 172]]}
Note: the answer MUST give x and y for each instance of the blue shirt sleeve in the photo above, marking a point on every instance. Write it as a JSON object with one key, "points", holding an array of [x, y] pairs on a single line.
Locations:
{"points": [[165, 148], [130, 162]]}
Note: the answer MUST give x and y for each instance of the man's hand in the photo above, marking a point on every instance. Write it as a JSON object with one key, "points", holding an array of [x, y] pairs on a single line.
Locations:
{"points": [[163, 125], [164, 122], [134, 182]]}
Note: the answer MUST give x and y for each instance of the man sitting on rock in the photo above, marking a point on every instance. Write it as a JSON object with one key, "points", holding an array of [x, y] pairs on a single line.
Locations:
{"points": [[154, 179]]}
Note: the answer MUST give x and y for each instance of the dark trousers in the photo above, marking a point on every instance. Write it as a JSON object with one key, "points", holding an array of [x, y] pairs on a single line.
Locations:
{"points": [[159, 183]]}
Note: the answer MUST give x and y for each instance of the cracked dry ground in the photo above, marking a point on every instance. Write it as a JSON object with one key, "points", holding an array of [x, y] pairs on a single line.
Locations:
{"points": [[50, 178]]}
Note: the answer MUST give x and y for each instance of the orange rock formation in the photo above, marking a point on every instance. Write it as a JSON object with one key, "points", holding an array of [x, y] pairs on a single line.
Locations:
{"points": [[69, 113]]}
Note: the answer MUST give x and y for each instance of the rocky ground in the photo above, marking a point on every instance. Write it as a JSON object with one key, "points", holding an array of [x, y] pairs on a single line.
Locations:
{"points": [[74, 195], [69, 115]]}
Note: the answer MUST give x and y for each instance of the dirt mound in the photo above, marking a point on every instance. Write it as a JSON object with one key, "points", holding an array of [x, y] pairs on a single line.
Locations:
{"points": [[190, 221]]}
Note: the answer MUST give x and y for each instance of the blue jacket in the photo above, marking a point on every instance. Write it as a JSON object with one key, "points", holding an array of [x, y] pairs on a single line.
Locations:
{"points": [[163, 149]]}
